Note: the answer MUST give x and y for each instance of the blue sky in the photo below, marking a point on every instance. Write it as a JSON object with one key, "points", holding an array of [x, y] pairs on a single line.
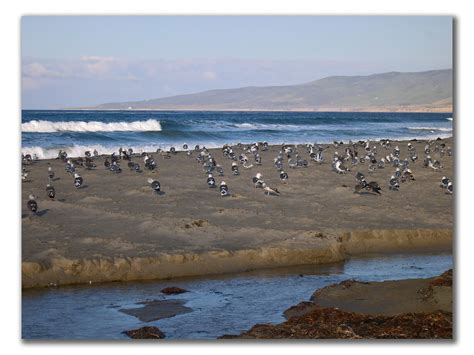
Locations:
{"points": [[76, 61]]}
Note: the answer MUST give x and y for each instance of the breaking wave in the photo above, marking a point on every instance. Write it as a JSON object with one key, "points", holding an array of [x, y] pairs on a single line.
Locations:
{"points": [[92, 126], [431, 129], [75, 151]]}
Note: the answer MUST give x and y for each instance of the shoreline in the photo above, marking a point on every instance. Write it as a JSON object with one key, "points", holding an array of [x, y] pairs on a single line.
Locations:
{"points": [[368, 310], [117, 229]]}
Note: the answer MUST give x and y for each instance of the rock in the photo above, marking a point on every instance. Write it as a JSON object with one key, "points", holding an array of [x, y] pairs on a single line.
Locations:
{"points": [[145, 333], [173, 290]]}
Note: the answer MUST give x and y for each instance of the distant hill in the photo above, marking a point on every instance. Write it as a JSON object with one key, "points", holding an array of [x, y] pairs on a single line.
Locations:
{"points": [[393, 91]]}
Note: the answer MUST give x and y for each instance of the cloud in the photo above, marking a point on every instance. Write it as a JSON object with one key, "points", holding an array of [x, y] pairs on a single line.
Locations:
{"points": [[94, 58], [38, 70], [209, 75], [96, 65]]}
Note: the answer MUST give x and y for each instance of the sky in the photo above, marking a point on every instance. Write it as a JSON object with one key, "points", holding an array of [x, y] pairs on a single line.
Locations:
{"points": [[72, 61]]}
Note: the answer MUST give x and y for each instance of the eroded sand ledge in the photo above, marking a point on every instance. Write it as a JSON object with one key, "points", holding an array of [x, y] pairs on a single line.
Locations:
{"points": [[326, 249]]}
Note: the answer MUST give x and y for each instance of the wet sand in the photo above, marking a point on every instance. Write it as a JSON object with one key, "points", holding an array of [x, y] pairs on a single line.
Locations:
{"points": [[115, 228], [403, 309]]}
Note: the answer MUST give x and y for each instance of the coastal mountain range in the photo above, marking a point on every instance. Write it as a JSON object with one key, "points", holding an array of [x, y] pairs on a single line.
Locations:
{"points": [[427, 91]]}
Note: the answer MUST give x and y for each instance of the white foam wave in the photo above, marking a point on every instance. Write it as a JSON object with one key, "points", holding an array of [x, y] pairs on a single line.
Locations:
{"points": [[91, 126], [75, 151], [276, 127], [431, 129], [449, 118]]}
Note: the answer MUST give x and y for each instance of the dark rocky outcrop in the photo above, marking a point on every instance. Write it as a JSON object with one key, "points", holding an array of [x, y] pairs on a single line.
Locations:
{"points": [[145, 333]]}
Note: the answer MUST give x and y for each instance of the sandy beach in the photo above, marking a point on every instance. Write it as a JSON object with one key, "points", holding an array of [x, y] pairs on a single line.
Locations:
{"points": [[115, 228]]}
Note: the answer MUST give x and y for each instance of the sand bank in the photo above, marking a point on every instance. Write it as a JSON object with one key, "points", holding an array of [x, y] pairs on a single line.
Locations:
{"points": [[402, 309], [117, 229]]}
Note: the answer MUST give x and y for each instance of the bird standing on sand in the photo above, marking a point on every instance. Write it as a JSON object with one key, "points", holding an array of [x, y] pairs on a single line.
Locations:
{"points": [[258, 180], [115, 168], [444, 182], [362, 184], [211, 182], [223, 189], [32, 204], [134, 167], [50, 191], [450, 187], [50, 173], [220, 170], [235, 168], [283, 177], [78, 181], [394, 183], [155, 185], [340, 168]]}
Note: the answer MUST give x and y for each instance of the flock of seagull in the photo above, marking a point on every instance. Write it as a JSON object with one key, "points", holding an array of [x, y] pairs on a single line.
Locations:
{"points": [[376, 155]]}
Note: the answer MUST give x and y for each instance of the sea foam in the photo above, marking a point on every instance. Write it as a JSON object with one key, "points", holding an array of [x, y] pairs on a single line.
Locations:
{"points": [[41, 126]]}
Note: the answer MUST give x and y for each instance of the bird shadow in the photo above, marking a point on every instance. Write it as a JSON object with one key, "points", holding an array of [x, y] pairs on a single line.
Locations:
{"points": [[42, 212], [160, 193], [367, 193], [83, 187], [38, 214]]}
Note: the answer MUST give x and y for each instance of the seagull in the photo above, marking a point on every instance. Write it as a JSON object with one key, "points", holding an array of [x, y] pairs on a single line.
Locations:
{"points": [[155, 185], [444, 182], [283, 177], [270, 191], [407, 175], [450, 187], [362, 184], [235, 168], [220, 170], [50, 191], [211, 182], [32, 204], [340, 168], [224, 189], [50, 173], [78, 181], [394, 183], [134, 167], [149, 162], [374, 187], [115, 168], [258, 181]]}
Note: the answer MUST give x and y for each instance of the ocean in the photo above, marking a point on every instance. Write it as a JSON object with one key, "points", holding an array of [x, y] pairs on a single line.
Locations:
{"points": [[44, 132]]}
